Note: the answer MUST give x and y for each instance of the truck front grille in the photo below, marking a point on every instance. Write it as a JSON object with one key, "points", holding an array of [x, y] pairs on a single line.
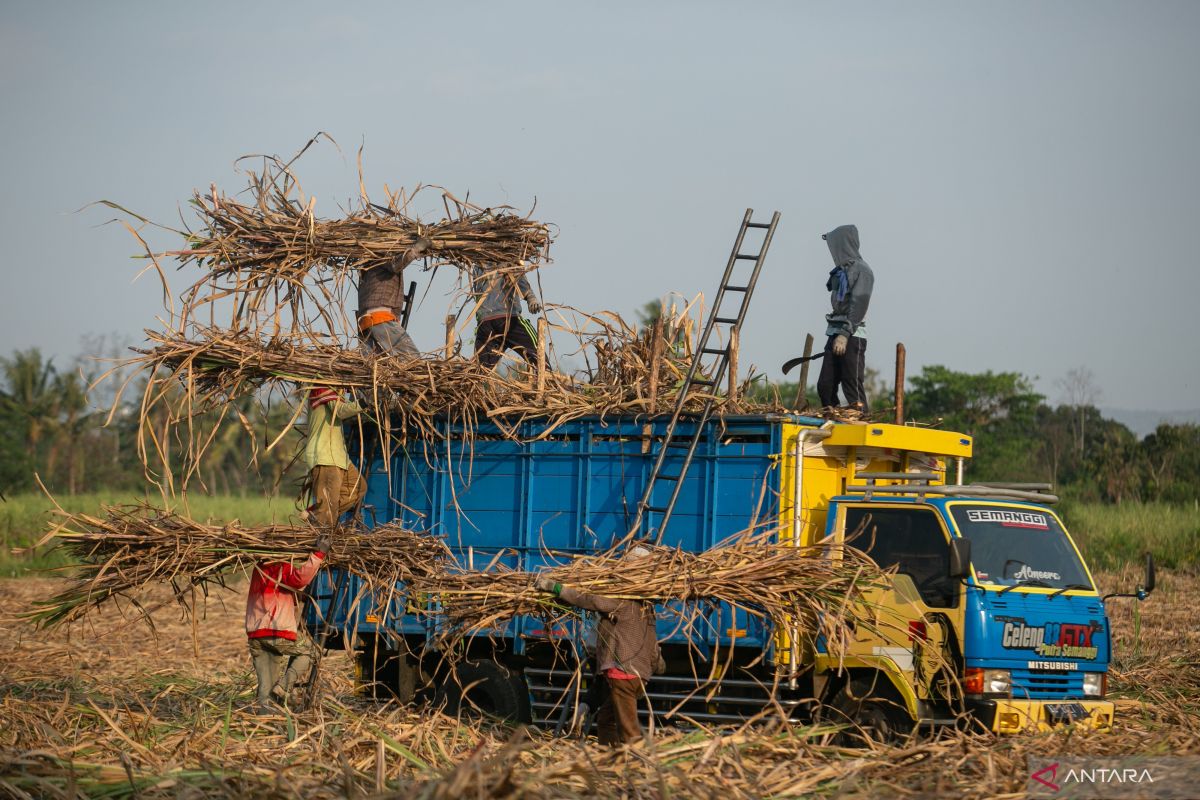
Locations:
{"points": [[1046, 684]]}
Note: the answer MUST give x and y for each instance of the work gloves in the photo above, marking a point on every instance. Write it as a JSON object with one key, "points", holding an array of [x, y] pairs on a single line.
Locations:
{"points": [[323, 544], [534, 306], [544, 583], [839, 345], [411, 254]]}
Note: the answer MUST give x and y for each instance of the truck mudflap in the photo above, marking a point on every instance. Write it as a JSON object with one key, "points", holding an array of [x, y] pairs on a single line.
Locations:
{"points": [[1015, 716]]}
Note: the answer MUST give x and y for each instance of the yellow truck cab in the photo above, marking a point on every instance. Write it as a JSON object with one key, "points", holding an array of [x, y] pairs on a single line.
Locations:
{"points": [[991, 612]]}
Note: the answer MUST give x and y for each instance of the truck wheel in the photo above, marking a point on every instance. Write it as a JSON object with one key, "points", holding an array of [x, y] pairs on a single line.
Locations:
{"points": [[872, 716], [487, 688], [386, 674]]}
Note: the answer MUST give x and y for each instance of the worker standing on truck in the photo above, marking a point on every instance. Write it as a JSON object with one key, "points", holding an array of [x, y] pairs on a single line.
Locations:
{"points": [[336, 485], [850, 284], [280, 652], [381, 305], [627, 654], [500, 325]]}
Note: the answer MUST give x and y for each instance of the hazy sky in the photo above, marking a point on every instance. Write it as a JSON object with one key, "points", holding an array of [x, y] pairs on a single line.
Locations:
{"points": [[1009, 165]]}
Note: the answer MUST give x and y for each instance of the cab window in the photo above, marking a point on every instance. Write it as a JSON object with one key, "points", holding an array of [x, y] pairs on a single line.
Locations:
{"points": [[910, 539]]}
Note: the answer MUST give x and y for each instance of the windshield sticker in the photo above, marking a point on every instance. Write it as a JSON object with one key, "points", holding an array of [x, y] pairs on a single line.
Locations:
{"points": [[1009, 519], [1054, 639], [1028, 573]]}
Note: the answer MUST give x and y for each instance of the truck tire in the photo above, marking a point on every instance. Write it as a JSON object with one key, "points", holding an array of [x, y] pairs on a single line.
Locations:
{"points": [[872, 712], [386, 674], [488, 688]]}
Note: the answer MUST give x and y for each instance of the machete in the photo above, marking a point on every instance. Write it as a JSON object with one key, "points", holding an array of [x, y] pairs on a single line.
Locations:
{"points": [[798, 360]]}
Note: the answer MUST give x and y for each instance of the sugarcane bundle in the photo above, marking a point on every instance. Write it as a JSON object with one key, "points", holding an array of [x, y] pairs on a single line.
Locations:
{"points": [[217, 366], [282, 265], [277, 238], [126, 549], [810, 590]]}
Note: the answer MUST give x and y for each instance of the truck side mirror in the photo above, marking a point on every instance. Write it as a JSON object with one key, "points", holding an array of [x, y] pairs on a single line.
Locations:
{"points": [[960, 558], [1148, 585]]}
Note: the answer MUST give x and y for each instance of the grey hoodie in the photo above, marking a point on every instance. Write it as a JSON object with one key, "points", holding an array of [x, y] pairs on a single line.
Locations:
{"points": [[496, 292], [849, 296]]}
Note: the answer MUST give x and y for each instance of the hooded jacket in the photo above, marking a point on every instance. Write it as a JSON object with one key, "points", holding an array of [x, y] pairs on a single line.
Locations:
{"points": [[850, 283], [495, 291]]}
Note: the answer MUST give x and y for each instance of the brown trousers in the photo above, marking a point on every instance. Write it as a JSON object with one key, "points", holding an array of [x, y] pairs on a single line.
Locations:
{"points": [[617, 718], [335, 491], [280, 663]]}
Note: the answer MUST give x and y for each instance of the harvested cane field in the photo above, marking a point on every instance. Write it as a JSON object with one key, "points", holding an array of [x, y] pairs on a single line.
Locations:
{"points": [[105, 708]]}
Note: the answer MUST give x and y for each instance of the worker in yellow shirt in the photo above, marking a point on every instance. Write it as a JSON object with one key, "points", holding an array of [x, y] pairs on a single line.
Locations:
{"points": [[337, 485]]}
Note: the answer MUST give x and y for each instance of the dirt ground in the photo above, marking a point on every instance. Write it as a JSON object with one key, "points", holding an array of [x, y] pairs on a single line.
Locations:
{"points": [[107, 646], [111, 707]]}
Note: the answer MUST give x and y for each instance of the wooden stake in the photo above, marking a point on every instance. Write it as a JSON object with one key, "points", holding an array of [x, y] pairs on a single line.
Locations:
{"points": [[656, 356], [450, 335], [541, 356], [802, 389], [900, 383], [733, 364]]}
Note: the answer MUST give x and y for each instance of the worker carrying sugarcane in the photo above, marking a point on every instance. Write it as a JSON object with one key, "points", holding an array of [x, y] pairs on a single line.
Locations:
{"points": [[850, 284], [381, 305], [279, 649], [627, 654], [335, 483], [500, 325]]}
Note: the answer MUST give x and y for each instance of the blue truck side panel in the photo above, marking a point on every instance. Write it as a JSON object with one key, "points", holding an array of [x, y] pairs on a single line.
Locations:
{"points": [[574, 490]]}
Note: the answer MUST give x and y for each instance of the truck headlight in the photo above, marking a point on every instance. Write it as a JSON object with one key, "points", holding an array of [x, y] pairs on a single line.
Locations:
{"points": [[1094, 683], [997, 681], [987, 681]]}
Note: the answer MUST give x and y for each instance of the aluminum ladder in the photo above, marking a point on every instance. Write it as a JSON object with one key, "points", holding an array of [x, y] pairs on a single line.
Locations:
{"points": [[719, 363]]}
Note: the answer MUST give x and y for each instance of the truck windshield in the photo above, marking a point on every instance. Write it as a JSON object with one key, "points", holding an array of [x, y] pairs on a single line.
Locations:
{"points": [[1012, 545]]}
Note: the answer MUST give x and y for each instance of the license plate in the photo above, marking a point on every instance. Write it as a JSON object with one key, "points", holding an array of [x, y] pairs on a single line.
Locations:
{"points": [[1066, 712]]}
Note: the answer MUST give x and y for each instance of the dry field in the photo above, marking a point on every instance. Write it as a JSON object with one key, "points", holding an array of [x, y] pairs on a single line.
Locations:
{"points": [[108, 709]]}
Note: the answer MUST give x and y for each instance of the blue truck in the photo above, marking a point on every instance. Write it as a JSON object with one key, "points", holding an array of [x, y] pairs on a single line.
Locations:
{"points": [[996, 616]]}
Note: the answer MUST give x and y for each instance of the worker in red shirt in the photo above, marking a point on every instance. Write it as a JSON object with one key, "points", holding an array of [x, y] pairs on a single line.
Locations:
{"points": [[280, 651], [627, 654]]}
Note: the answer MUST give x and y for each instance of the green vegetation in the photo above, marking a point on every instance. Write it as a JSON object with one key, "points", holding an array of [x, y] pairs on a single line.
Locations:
{"points": [[25, 518], [52, 427], [1114, 535]]}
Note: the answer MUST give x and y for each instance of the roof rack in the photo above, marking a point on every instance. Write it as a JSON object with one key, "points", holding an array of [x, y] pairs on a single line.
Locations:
{"points": [[919, 483]]}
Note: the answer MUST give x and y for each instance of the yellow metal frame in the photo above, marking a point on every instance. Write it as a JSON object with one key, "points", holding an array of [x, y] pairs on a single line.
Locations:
{"points": [[902, 438], [889, 448]]}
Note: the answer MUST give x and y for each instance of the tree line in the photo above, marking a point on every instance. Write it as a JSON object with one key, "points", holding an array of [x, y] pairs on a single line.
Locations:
{"points": [[1019, 436], [76, 441], [81, 441]]}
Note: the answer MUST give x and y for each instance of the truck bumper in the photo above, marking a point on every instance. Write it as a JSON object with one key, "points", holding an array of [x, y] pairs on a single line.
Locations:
{"points": [[1014, 716]]}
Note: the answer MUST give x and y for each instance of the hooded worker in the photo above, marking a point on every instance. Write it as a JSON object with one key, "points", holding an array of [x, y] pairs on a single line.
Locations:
{"points": [[627, 654], [499, 324], [850, 284], [279, 649], [337, 486]]}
